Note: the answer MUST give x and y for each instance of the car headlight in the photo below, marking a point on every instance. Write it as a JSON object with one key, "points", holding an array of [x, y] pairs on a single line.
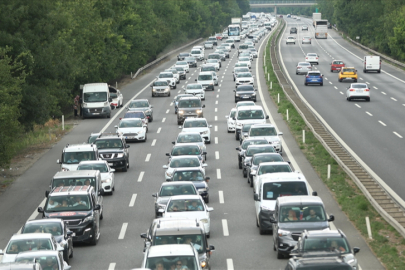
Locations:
{"points": [[108, 180], [161, 206], [205, 132], [120, 155], [199, 111], [181, 112], [239, 124], [283, 233], [253, 94], [87, 219], [169, 174], [204, 220], [203, 264], [65, 169], [237, 94]]}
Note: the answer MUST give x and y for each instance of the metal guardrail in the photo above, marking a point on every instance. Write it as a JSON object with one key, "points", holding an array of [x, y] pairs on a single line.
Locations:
{"points": [[282, 2], [382, 200], [163, 57]]}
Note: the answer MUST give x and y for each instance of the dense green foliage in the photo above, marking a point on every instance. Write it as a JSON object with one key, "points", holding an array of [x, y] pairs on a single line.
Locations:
{"points": [[49, 47], [379, 23]]}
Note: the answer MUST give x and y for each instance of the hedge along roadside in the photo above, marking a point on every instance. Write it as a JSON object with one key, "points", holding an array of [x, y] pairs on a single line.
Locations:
{"points": [[348, 195]]}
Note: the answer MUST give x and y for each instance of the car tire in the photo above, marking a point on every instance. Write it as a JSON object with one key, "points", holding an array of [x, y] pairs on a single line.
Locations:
{"points": [[257, 223], [355, 80], [151, 119], [261, 231], [101, 215], [94, 239], [331, 70], [125, 169], [236, 100], [255, 100], [279, 255], [274, 246], [305, 83], [153, 95], [340, 80], [349, 99], [244, 173], [236, 135], [251, 183], [207, 200], [368, 100], [364, 71], [71, 255], [146, 137], [240, 164], [208, 235], [168, 94], [321, 84], [175, 86], [66, 256], [109, 115]]}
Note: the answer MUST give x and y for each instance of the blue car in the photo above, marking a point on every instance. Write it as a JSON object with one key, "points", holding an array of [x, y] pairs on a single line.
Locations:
{"points": [[314, 77]]}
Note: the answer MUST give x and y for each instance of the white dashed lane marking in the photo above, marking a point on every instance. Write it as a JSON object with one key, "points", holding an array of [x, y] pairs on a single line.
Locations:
{"points": [[140, 176], [132, 202], [369, 113], [153, 142], [225, 227], [221, 196], [123, 230], [159, 129], [382, 123], [397, 134], [147, 157], [218, 173]]}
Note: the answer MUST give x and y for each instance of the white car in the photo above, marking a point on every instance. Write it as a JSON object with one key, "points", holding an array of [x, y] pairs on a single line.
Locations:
{"points": [[245, 103], [195, 89], [189, 206], [117, 99], [40, 257], [175, 74], [268, 167], [192, 137], [197, 54], [132, 129], [268, 132], [107, 173], [230, 120], [237, 70], [213, 62], [177, 162], [215, 77], [245, 60], [208, 45], [199, 125], [312, 58], [227, 46], [246, 53], [358, 91], [182, 64], [29, 241], [290, 40], [169, 77], [244, 78]]}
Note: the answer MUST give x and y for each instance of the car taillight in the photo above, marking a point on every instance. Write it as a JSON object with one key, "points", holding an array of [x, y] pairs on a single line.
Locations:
{"points": [[352, 90], [317, 58], [307, 76], [306, 58], [298, 67], [367, 90]]}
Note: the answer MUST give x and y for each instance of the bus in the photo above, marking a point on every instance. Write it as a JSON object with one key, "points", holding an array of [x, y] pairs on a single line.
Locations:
{"points": [[321, 29], [234, 32]]}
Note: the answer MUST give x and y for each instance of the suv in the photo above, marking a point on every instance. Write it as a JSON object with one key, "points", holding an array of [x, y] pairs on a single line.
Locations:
{"points": [[206, 79], [325, 243], [213, 40], [195, 176], [79, 208], [72, 154], [249, 114], [293, 215], [180, 231], [336, 263], [198, 54], [169, 77], [252, 150], [293, 30], [268, 132], [189, 107], [114, 150], [183, 55]]}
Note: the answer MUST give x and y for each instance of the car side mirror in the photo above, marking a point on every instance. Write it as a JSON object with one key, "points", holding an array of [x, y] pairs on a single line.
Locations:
{"points": [[101, 192], [112, 170], [69, 233], [127, 146], [46, 193], [58, 161], [204, 165], [267, 117], [144, 236], [180, 127], [173, 142], [272, 219], [161, 210], [227, 116], [168, 154], [40, 210], [97, 207], [211, 248], [195, 79], [116, 127], [151, 85], [154, 195], [210, 209], [203, 106], [234, 118], [207, 179], [331, 218], [256, 197], [210, 126], [234, 90], [164, 167], [314, 193], [280, 134], [356, 250]]}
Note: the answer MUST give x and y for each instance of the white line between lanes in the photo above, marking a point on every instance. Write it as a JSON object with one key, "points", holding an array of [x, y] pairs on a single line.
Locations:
{"points": [[147, 157], [369, 113], [163, 120], [140, 176], [216, 155], [394, 99], [216, 140], [171, 103], [112, 266], [382, 123], [218, 173], [229, 264], [383, 93], [221, 196], [335, 87], [123, 230], [167, 111], [216, 109], [153, 142], [132, 202], [216, 118], [216, 128], [159, 129], [397, 134], [357, 105], [225, 227]]}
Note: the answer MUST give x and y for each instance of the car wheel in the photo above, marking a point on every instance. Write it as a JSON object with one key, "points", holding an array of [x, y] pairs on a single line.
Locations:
{"points": [[279, 255], [321, 84], [349, 99], [168, 94], [71, 254], [178, 122], [355, 80], [125, 169], [236, 100], [257, 222], [340, 80], [240, 164], [101, 216], [255, 100], [207, 200], [244, 173], [331, 70], [368, 100], [208, 235], [237, 136], [151, 118], [208, 142], [109, 115], [94, 239], [306, 84], [251, 182], [175, 86], [274, 247], [66, 256], [364, 71], [146, 137], [261, 231], [153, 95]]}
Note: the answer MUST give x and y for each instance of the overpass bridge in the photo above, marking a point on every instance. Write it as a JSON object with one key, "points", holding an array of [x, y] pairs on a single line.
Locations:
{"points": [[281, 3]]}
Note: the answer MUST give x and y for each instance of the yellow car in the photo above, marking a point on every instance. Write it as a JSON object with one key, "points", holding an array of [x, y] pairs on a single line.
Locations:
{"points": [[348, 73]]}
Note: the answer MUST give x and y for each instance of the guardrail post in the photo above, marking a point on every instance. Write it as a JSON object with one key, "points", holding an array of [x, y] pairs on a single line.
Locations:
{"points": [[278, 98], [271, 84], [287, 114], [131, 75], [63, 122], [368, 228], [303, 136], [328, 171]]}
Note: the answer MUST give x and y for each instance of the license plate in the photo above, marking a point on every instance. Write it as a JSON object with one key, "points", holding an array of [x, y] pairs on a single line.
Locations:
{"points": [[359, 91], [96, 113], [245, 97], [337, 68], [369, 66], [314, 80], [110, 164]]}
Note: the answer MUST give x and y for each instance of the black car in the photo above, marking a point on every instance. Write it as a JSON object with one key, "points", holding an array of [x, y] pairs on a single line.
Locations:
{"points": [[245, 92], [244, 131], [189, 107], [242, 148], [113, 148], [55, 226], [192, 62], [183, 55], [293, 30], [177, 98]]}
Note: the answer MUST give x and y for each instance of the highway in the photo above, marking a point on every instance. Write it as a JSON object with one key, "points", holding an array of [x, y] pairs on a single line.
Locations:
{"points": [[129, 212]]}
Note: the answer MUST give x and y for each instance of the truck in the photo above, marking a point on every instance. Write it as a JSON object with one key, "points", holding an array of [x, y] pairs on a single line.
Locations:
{"points": [[245, 18], [372, 63], [321, 29], [316, 17], [236, 21]]}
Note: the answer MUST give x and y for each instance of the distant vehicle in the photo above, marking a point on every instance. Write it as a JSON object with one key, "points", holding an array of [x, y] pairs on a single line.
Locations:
{"points": [[306, 40], [321, 29], [312, 58], [290, 40], [293, 30], [358, 91], [348, 73], [304, 28], [314, 77], [372, 63], [336, 65]]}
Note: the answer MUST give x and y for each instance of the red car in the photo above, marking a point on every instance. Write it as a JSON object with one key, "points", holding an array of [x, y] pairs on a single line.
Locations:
{"points": [[336, 65], [218, 36]]}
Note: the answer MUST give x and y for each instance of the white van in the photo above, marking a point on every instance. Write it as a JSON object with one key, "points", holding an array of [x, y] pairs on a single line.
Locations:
{"points": [[267, 25], [269, 188], [96, 100], [72, 154], [197, 54], [372, 63]]}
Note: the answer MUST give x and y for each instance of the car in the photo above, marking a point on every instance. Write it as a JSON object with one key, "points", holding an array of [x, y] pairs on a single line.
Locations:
{"points": [[216, 56], [213, 40], [314, 77], [241, 64], [181, 56], [57, 228], [189, 107], [197, 125], [142, 105], [186, 161], [245, 103], [218, 36], [160, 88], [177, 98], [237, 70], [325, 243], [224, 50], [230, 120], [231, 42], [358, 91], [195, 89], [245, 60], [132, 129], [169, 77], [304, 28], [244, 132], [137, 114], [303, 68], [243, 79], [189, 206], [245, 92], [191, 137], [206, 79], [182, 64], [253, 51], [312, 58], [269, 133], [336, 65], [192, 62], [195, 176], [249, 114], [250, 151], [187, 149], [298, 19], [117, 98], [72, 154], [290, 40], [48, 259], [175, 74], [293, 30], [208, 45], [261, 164], [221, 53], [246, 53], [300, 263], [348, 73], [113, 148], [207, 67], [29, 241], [213, 62], [306, 40], [106, 174], [197, 54]]}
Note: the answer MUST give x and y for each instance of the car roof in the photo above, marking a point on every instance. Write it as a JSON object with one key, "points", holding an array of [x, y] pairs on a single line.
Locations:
{"points": [[299, 199], [79, 147], [184, 156], [190, 98], [31, 236], [68, 190], [45, 220], [188, 169], [36, 253], [195, 119], [253, 107], [82, 173], [177, 183], [262, 125], [170, 226], [281, 176], [205, 73], [170, 250], [186, 144], [185, 197]]}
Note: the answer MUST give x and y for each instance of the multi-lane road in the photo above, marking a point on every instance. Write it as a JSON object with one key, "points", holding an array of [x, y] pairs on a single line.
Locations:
{"points": [[129, 212]]}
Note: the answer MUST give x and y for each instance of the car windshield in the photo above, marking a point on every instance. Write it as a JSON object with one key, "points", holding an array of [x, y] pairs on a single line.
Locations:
{"points": [[250, 114], [304, 64], [109, 143], [82, 181], [188, 176], [53, 228], [189, 138], [67, 203], [246, 127], [172, 70], [166, 262], [208, 68], [102, 167], [95, 97], [180, 205], [274, 168], [255, 150], [166, 75], [212, 61], [76, 157], [196, 52], [338, 62], [184, 54], [263, 131], [244, 59], [301, 213], [184, 162], [17, 246], [359, 85], [273, 190], [113, 95], [332, 244], [214, 56], [194, 86], [195, 123], [160, 83], [130, 123], [244, 75], [348, 70], [205, 77], [189, 103], [197, 240], [186, 150], [134, 115], [177, 190], [267, 158], [44, 261], [181, 63], [180, 69], [246, 143]]}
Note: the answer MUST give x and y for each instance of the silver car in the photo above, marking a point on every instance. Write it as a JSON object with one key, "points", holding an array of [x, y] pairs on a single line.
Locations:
{"points": [[237, 70], [303, 68], [306, 40], [195, 89], [358, 91], [208, 45], [160, 88]]}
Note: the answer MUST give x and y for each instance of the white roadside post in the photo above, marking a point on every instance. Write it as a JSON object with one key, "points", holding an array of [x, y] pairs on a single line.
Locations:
{"points": [[368, 228], [328, 171], [63, 122], [303, 136], [287, 114]]}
